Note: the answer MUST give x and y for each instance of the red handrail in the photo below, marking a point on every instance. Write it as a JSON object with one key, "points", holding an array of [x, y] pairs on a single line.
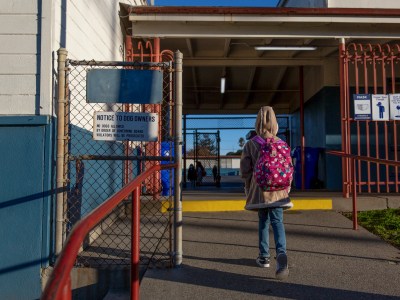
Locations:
{"points": [[353, 158], [58, 286]]}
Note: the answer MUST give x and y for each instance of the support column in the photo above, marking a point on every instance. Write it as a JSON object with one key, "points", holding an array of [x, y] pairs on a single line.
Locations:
{"points": [[302, 140], [178, 160], [62, 57], [344, 116]]}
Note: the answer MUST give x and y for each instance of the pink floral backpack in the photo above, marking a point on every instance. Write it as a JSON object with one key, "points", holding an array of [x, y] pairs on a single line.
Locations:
{"points": [[273, 170]]}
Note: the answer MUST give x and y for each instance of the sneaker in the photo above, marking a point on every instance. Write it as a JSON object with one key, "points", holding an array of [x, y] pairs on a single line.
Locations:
{"points": [[282, 270], [263, 262]]}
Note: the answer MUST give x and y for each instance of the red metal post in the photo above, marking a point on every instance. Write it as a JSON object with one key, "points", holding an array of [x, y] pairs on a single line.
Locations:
{"points": [[359, 153], [396, 170], [354, 194], [378, 179], [368, 154], [384, 57], [135, 244], [302, 141], [366, 91], [127, 164], [157, 110], [395, 155], [67, 290], [375, 76], [343, 87], [357, 57]]}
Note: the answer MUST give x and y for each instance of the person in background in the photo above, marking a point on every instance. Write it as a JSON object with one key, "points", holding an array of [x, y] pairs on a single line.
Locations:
{"points": [[200, 172], [268, 204], [192, 175], [215, 173]]}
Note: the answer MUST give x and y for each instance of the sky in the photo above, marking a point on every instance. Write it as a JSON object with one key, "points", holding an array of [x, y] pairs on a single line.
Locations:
{"points": [[246, 3]]}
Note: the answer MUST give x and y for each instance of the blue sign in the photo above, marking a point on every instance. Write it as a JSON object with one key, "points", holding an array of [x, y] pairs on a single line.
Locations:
{"points": [[124, 86]]}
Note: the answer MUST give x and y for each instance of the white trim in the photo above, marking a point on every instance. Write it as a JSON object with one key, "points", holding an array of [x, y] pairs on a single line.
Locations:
{"points": [[304, 28], [46, 38], [229, 18]]}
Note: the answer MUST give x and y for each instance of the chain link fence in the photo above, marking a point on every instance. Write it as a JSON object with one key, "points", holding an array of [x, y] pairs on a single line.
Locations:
{"points": [[209, 139], [203, 148], [96, 169]]}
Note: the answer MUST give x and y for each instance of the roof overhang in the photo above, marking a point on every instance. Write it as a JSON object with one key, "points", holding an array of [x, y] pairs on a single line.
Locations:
{"points": [[219, 42], [206, 22]]}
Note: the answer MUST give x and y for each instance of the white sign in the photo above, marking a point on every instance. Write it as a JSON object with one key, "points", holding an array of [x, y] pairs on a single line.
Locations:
{"points": [[362, 106], [380, 107], [394, 100], [123, 126]]}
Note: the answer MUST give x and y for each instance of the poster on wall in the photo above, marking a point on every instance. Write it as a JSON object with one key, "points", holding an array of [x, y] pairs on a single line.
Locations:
{"points": [[362, 106], [380, 107], [394, 100]]}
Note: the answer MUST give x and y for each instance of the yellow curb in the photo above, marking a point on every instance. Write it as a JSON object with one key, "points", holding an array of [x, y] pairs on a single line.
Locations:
{"points": [[238, 205], [311, 204]]}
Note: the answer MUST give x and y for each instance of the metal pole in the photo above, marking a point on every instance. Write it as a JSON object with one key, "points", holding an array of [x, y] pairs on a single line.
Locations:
{"points": [[178, 159], [302, 141], [135, 244], [218, 152], [354, 195], [62, 57], [342, 70], [184, 153]]}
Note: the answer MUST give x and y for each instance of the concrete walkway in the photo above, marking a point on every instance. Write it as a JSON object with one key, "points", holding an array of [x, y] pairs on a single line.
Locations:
{"points": [[327, 260]]}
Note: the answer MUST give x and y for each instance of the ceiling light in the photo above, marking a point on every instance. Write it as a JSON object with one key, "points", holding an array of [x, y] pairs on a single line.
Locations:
{"points": [[222, 85], [295, 48]]}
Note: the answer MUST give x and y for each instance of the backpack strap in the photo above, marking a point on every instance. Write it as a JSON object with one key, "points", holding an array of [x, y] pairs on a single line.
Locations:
{"points": [[258, 139]]}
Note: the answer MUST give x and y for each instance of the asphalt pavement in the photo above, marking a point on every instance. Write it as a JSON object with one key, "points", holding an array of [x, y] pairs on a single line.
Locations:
{"points": [[327, 260]]}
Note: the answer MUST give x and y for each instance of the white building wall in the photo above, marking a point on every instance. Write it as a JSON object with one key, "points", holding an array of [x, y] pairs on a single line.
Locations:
{"points": [[236, 163], [87, 29], [18, 56], [90, 29], [340, 3], [364, 3]]}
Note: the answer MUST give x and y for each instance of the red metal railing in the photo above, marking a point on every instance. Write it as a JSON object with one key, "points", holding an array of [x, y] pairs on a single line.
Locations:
{"points": [[58, 286], [369, 69], [353, 174]]}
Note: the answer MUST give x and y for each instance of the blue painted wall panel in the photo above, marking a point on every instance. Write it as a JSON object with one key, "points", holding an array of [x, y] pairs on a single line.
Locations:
{"points": [[322, 130], [25, 196]]}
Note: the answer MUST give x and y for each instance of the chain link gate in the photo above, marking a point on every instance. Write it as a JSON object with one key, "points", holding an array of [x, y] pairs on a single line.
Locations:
{"points": [[95, 169], [203, 147], [197, 130]]}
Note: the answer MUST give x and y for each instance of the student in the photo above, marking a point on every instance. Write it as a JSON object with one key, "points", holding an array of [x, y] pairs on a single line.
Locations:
{"points": [[200, 172], [192, 175], [268, 204], [215, 172]]}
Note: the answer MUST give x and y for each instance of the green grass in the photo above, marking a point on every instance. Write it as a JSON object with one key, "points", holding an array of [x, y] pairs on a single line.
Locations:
{"points": [[383, 223]]}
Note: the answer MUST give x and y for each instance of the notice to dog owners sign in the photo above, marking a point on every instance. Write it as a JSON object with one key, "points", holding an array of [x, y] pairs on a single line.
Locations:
{"points": [[123, 126]]}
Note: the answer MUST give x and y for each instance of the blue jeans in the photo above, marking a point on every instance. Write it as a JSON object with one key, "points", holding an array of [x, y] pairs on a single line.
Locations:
{"points": [[273, 216]]}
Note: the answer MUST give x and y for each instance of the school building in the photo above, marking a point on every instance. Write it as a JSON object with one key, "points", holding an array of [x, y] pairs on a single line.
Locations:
{"points": [[307, 59]]}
